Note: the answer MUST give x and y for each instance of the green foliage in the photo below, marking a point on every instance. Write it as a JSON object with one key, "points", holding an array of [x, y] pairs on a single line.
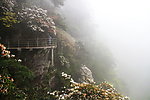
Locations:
{"points": [[6, 84], [8, 89], [20, 77], [8, 19], [16, 70], [14, 78]]}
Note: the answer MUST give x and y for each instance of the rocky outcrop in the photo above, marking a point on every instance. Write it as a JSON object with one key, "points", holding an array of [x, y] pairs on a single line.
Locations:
{"points": [[86, 75]]}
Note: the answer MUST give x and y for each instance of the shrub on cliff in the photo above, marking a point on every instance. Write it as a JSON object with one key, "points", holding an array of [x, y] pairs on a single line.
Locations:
{"points": [[86, 91], [14, 77]]}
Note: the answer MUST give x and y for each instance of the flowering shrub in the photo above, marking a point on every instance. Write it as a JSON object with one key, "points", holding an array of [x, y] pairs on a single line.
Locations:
{"points": [[6, 84], [37, 19], [4, 52], [86, 91], [14, 77], [8, 88]]}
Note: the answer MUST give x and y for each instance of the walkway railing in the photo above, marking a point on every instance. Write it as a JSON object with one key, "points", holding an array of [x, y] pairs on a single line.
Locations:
{"points": [[36, 43]]}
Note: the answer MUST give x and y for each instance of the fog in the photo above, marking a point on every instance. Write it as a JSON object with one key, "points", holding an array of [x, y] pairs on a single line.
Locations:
{"points": [[123, 26]]}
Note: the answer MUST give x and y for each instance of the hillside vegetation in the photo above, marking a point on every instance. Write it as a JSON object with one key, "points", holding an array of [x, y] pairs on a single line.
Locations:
{"points": [[29, 74]]}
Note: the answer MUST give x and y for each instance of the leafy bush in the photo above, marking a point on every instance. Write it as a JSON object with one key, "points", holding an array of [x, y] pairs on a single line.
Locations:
{"points": [[86, 91], [14, 77], [6, 84]]}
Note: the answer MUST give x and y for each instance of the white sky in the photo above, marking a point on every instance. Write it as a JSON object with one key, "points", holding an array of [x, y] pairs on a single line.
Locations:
{"points": [[124, 25]]}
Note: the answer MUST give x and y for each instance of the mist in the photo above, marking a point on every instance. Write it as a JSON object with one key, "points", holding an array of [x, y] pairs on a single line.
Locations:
{"points": [[123, 26]]}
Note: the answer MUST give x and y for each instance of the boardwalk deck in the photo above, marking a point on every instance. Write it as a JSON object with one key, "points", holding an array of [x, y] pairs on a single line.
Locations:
{"points": [[31, 44], [38, 43]]}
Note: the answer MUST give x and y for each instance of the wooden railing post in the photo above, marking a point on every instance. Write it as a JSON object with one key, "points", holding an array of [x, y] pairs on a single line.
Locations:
{"points": [[37, 42], [28, 44], [18, 43], [8, 44]]}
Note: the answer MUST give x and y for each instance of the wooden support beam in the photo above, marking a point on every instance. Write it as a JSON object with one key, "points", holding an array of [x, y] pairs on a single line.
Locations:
{"points": [[52, 55]]}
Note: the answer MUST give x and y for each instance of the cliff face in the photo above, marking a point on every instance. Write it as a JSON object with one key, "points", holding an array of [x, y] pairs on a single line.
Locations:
{"points": [[31, 22], [38, 61], [34, 25]]}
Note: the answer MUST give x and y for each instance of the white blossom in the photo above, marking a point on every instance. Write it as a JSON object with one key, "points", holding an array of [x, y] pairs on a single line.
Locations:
{"points": [[37, 19], [19, 60]]}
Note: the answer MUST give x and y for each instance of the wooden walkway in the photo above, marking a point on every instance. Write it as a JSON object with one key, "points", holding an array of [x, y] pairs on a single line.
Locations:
{"points": [[36, 43]]}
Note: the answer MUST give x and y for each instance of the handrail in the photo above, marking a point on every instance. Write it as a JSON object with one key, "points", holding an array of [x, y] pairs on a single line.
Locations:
{"points": [[35, 43]]}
